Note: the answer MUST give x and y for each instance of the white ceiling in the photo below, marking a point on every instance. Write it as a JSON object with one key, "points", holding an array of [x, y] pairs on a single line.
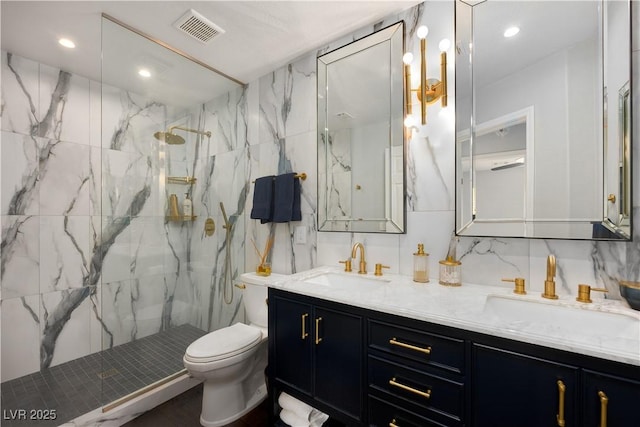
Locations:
{"points": [[260, 36], [546, 27]]}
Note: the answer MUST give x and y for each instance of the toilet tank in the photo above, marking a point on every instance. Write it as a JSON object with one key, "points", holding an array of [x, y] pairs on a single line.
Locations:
{"points": [[254, 296]]}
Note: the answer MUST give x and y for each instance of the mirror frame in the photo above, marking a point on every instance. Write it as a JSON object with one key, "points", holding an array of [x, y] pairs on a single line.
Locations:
{"points": [[606, 229], [393, 222]]}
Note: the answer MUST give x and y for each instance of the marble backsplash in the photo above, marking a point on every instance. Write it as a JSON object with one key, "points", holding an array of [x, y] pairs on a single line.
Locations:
{"points": [[286, 142]]}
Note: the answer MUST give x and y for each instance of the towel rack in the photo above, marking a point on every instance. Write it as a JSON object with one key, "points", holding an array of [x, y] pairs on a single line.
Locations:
{"points": [[302, 176]]}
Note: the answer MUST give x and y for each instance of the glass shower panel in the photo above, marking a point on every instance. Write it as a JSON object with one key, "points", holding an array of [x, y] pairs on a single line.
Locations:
{"points": [[162, 277]]}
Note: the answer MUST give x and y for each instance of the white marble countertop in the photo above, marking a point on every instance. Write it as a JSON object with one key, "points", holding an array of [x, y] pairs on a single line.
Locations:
{"points": [[562, 324]]}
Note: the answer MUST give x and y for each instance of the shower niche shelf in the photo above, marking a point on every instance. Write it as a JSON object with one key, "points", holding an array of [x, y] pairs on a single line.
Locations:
{"points": [[187, 180], [182, 218]]}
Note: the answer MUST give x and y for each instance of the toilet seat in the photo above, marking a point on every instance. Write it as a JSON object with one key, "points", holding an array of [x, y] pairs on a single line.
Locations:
{"points": [[223, 343]]}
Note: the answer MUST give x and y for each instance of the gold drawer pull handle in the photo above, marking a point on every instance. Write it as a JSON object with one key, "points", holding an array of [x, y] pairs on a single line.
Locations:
{"points": [[318, 339], [304, 325], [425, 394], [393, 423], [394, 341], [604, 400], [240, 286], [560, 416]]}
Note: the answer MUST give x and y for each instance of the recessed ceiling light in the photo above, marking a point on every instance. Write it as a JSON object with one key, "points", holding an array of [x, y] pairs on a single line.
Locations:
{"points": [[511, 31], [144, 72], [67, 43]]}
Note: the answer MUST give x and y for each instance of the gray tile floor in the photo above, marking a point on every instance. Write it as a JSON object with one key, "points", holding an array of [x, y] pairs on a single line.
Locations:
{"points": [[82, 385]]}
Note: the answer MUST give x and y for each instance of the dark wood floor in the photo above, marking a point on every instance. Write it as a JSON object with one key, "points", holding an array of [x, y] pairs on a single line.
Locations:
{"points": [[184, 411]]}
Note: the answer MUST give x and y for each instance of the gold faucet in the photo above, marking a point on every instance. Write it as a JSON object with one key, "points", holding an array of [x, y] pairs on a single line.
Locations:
{"points": [[363, 263], [347, 265], [379, 268], [550, 283], [584, 293], [520, 286]]}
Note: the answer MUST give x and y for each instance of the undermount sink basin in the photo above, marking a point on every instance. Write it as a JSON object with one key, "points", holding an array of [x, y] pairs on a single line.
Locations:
{"points": [[335, 280], [573, 318]]}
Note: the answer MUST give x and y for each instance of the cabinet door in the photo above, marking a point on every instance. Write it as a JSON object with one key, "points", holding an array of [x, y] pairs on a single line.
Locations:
{"points": [[292, 336], [511, 389], [338, 360], [609, 401]]}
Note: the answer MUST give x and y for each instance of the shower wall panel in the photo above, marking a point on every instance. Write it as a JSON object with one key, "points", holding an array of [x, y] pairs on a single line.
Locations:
{"points": [[48, 194], [88, 259], [219, 164]]}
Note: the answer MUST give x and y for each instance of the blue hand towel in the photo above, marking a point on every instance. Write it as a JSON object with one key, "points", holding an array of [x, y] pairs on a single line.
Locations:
{"points": [[263, 199], [286, 205]]}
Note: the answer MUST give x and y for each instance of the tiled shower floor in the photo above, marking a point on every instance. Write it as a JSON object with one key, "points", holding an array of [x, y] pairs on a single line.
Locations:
{"points": [[76, 387]]}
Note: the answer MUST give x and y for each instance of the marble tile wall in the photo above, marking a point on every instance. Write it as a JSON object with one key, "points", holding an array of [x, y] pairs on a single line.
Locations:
{"points": [[286, 142], [88, 260], [47, 262]]}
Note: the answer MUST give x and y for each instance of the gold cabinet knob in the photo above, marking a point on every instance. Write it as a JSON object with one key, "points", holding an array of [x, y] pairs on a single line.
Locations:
{"points": [[584, 293], [520, 285], [612, 198], [379, 268]]}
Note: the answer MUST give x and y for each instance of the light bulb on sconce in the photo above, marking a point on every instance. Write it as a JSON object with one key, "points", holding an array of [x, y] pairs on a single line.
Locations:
{"points": [[444, 45], [422, 32], [409, 121], [409, 126], [429, 90]]}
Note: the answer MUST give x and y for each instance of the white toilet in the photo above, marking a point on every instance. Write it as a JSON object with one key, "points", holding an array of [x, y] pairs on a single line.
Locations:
{"points": [[231, 361]]}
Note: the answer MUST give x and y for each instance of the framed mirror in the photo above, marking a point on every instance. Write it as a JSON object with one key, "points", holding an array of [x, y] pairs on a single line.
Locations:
{"points": [[543, 119], [361, 178]]}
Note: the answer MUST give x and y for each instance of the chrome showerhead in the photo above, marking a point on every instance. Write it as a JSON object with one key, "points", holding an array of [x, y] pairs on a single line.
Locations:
{"points": [[169, 138]]}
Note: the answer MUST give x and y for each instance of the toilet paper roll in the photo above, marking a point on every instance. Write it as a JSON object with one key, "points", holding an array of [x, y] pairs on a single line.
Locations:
{"points": [[317, 418], [292, 419], [292, 404]]}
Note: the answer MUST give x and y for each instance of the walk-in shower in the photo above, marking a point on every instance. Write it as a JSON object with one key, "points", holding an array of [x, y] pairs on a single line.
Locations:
{"points": [[120, 288]]}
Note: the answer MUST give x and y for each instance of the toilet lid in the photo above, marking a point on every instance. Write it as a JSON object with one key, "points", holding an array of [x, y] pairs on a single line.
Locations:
{"points": [[223, 343]]}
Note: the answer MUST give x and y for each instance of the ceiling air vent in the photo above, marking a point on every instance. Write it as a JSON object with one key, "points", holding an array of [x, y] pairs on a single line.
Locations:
{"points": [[197, 26]]}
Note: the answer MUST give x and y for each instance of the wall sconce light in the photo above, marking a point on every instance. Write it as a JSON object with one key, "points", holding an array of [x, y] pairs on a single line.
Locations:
{"points": [[429, 90]]}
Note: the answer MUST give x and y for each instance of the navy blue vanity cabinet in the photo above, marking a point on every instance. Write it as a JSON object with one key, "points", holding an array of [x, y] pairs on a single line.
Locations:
{"points": [[512, 389], [610, 401], [415, 374], [385, 414], [292, 338], [338, 360], [367, 368], [316, 352]]}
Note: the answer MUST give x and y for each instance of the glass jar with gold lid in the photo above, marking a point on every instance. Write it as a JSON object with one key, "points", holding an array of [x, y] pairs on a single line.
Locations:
{"points": [[450, 272]]}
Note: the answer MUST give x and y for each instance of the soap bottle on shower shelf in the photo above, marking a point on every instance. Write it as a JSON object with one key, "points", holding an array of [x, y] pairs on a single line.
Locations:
{"points": [[187, 207], [174, 213], [421, 265]]}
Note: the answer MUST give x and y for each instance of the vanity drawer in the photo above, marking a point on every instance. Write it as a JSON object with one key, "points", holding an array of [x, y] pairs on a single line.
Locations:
{"points": [[431, 349], [384, 414], [430, 393]]}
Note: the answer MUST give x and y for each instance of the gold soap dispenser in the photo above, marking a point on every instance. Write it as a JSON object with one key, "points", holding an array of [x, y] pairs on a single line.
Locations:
{"points": [[421, 265]]}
